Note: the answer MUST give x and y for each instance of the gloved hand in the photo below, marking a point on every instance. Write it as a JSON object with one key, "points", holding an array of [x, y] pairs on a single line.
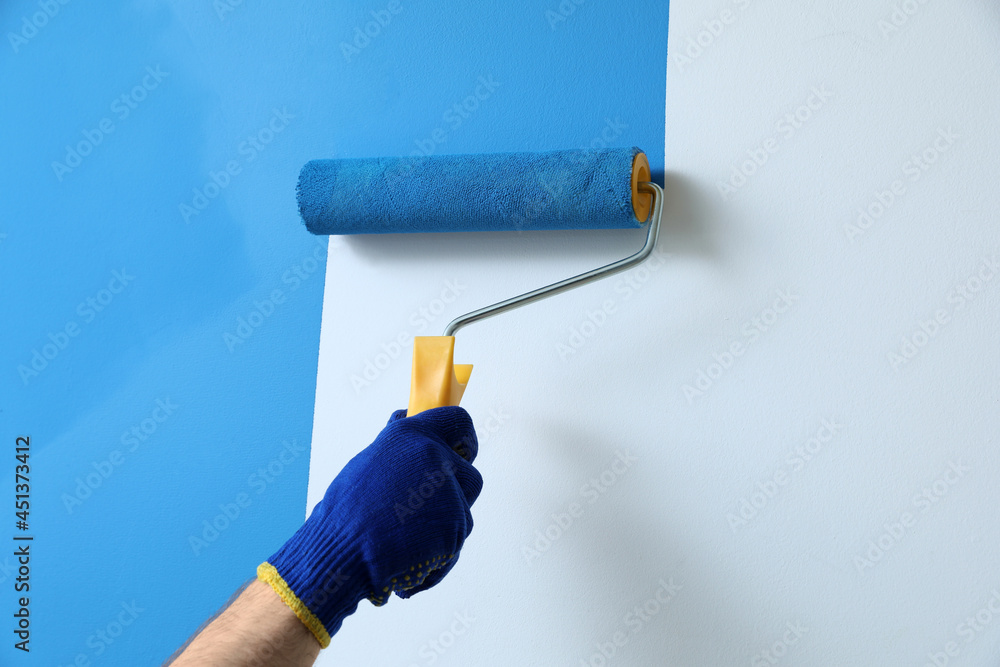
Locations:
{"points": [[393, 520]]}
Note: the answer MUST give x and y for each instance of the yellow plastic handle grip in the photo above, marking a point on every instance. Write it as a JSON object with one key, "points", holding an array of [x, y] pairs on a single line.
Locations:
{"points": [[436, 380]]}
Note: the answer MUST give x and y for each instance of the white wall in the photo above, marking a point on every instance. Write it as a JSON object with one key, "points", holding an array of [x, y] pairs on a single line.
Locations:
{"points": [[550, 423]]}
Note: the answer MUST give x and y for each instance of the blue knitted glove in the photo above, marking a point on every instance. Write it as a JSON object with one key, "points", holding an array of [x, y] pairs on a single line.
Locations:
{"points": [[393, 520]]}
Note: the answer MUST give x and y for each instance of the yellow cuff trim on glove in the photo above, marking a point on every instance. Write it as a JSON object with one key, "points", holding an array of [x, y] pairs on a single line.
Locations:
{"points": [[269, 575]]}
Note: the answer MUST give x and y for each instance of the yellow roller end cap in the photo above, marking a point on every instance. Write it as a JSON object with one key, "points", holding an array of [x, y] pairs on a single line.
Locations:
{"points": [[436, 380], [641, 201]]}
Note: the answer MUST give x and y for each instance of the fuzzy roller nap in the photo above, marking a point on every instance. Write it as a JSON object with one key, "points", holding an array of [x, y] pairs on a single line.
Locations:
{"points": [[570, 189]]}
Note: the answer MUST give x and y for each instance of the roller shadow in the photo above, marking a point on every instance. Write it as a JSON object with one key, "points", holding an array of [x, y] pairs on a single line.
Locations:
{"points": [[687, 212], [624, 555], [690, 217]]}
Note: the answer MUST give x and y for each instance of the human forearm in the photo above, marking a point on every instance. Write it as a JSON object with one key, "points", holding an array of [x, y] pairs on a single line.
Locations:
{"points": [[256, 630]]}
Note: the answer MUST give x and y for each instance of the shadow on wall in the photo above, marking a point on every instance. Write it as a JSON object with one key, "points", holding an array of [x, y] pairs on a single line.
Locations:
{"points": [[652, 593], [689, 215]]}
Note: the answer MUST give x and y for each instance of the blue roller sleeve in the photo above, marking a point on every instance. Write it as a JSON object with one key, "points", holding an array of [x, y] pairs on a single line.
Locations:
{"points": [[572, 189]]}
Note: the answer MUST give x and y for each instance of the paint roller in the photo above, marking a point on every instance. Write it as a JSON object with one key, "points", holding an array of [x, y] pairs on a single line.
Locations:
{"points": [[556, 190]]}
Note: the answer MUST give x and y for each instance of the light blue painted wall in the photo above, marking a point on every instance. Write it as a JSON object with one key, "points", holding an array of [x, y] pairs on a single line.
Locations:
{"points": [[281, 74]]}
